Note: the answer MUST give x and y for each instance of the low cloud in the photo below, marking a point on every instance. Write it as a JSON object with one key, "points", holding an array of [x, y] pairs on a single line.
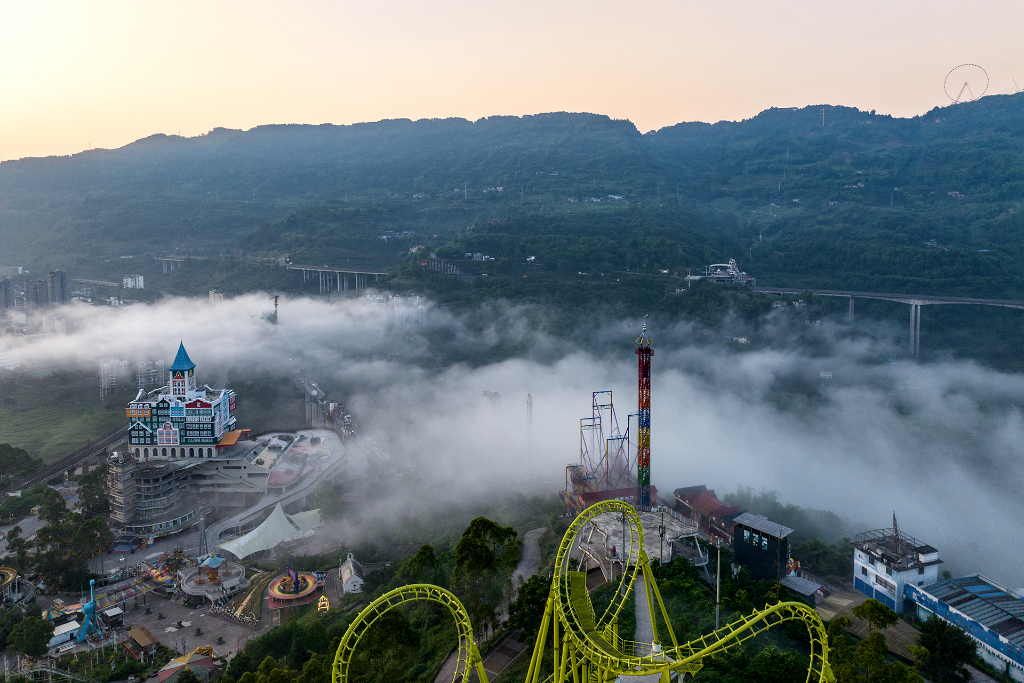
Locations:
{"points": [[941, 444]]}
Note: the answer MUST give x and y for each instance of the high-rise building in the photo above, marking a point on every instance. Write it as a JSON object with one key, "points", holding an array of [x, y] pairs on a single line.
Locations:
{"points": [[217, 295], [58, 288], [6, 296], [133, 282], [36, 295]]}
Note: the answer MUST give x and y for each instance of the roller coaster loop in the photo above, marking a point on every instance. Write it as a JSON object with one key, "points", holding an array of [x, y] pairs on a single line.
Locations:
{"points": [[588, 649]]}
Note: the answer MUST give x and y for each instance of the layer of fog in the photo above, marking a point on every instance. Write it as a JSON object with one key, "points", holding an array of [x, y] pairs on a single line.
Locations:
{"points": [[940, 444]]}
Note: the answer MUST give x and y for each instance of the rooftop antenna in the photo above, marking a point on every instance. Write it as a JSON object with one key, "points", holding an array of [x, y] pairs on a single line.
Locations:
{"points": [[896, 531], [529, 421]]}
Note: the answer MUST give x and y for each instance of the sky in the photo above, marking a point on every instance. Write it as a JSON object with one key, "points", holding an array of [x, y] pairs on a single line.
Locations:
{"points": [[75, 75], [923, 441]]}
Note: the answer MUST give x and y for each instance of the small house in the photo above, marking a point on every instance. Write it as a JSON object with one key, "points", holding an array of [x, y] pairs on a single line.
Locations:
{"points": [[351, 576]]}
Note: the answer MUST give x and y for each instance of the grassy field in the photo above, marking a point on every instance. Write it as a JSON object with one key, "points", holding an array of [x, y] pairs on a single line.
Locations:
{"points": [[52, 415]]}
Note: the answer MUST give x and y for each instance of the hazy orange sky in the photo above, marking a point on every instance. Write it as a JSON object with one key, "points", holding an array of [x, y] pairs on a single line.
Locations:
{"points": [[75, 74]]}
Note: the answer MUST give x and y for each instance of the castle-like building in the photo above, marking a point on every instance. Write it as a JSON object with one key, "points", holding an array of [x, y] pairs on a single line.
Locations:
{"points": [[181, 420]]}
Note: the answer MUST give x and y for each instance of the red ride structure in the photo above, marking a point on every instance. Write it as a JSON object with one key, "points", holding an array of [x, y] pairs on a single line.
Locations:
{"points": [[643, 447]]}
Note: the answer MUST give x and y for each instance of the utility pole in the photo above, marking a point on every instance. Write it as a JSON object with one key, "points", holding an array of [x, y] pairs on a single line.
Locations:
{"points": [[661, 532], [718, 583]]}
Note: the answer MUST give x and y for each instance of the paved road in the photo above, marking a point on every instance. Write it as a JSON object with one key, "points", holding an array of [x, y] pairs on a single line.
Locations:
{"points": [[644, 630]]}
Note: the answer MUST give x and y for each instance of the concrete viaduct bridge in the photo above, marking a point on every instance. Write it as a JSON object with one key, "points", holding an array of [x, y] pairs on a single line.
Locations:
{"points": [[336, 279], [915, 301]]}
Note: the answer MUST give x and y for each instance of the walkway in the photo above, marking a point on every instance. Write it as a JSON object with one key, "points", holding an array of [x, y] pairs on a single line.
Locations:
{"points": [[529, 560], [644, 631]]}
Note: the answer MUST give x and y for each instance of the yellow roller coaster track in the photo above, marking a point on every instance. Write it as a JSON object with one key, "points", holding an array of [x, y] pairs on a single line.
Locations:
{"points": [[587, 649]]}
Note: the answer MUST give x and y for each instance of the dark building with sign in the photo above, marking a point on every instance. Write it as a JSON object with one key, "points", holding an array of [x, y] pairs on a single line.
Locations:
{"points": [[762, 545]]}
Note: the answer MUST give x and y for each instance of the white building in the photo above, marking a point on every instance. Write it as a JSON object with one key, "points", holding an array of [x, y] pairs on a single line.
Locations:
{"points": [[351, 576], [887, 560], [132, 282], [217, 295]]}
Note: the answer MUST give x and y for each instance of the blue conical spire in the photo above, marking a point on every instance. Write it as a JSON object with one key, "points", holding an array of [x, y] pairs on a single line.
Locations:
{"points": [[182, 361]]}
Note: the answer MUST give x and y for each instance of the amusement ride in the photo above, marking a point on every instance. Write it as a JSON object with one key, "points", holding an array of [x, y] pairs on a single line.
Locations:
{"points": [[587, 647]]}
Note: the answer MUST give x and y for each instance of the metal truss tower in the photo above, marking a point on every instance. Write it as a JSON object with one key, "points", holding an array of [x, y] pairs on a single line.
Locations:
{"points": [[643, 445], [604, 455]]}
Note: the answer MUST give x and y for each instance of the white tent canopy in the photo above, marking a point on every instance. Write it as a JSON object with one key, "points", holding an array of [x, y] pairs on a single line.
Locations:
{"points": [[275, 529], [306, 521]]}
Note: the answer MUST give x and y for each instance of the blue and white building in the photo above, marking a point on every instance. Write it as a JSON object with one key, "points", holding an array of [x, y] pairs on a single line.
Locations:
{"points": [[990, 614], [887, 560]]}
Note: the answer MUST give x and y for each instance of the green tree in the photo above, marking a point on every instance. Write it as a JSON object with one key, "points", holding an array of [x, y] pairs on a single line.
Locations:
{"points": [[876, 614], [17, 545], [486, 546], [386, 649], [871, 654], [92, 491], [187, 675], [527, 610], [484, 559], [948, 650], [423, 563], [52, 507], [31, 635]]}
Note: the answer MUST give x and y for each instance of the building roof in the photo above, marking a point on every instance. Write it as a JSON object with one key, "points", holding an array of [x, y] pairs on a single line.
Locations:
{"points": [[182, 361], [800, 585], [143, 636], [681, 493], [200, 662], [763, 524], [984, 601], [350, 569], [724, 512], [66, 628], [898, 550], [230, 438], [705, 503]]}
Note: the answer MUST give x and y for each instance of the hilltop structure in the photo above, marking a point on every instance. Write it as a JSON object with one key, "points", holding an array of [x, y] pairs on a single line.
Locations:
{"points": [[181, 420]]}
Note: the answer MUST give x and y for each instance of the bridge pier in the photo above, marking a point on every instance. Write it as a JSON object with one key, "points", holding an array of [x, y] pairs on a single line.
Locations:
{"points": [[915, 329], [849, 317]]}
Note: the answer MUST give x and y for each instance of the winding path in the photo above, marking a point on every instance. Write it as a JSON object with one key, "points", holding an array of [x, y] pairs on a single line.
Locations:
{"points": [[529, 563]]}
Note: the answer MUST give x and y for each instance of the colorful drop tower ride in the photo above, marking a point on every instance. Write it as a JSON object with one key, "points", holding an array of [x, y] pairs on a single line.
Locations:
{"points": [[643, 444]]}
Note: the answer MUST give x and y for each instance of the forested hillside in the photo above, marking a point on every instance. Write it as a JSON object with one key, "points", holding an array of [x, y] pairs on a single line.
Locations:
{"points": [[848, 199]]}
